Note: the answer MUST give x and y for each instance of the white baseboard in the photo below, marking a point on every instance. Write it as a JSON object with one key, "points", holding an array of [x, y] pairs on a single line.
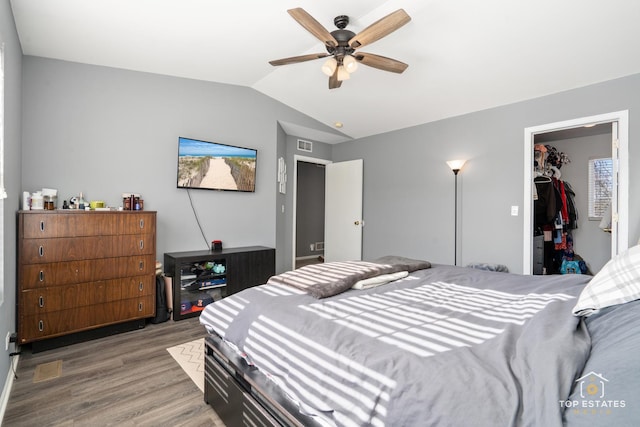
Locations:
{"points": [[8, 384]]}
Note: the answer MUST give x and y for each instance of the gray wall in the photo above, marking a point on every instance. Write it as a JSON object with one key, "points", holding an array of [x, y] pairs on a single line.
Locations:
{"points": [[12, 152], [589, 241], [106, 131], [408, 188]]}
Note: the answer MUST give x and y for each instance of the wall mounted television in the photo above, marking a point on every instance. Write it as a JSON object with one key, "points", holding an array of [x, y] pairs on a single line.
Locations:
{"points": [[214, 166]]}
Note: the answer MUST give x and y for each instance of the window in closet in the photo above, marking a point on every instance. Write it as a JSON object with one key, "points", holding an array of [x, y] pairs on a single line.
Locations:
{"points": [[600, 186]]}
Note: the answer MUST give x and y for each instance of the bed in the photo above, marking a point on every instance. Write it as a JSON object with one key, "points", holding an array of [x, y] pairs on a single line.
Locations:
{"points": [[433, 345]]}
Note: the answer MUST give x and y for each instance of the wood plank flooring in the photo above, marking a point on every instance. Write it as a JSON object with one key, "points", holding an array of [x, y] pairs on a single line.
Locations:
{"points": [[127, 379]]}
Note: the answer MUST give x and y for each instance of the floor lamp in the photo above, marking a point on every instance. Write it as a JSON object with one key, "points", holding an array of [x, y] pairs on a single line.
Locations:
{"points": [[455, 166]]}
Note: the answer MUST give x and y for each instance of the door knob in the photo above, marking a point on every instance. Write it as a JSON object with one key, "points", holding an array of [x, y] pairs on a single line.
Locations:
{"points": [[356, 223]]}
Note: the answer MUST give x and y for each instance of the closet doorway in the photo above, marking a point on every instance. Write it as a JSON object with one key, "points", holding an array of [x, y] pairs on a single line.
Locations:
{"points": [[615, 125]]}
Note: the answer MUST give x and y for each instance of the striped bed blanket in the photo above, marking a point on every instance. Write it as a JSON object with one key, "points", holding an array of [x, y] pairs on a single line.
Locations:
{"points": [[442, 346]]}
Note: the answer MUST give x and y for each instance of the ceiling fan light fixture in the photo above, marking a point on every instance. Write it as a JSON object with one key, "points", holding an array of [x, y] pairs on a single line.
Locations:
{"points": [[350, 64], [343, 74], [341, 45], [329, 67]]}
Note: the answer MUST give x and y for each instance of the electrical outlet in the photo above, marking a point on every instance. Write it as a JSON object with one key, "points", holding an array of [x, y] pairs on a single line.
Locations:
{"points": [[7, 341]]}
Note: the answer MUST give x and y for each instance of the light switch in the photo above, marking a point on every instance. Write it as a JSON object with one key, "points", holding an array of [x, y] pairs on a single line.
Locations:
{"points": [[514, 211]]}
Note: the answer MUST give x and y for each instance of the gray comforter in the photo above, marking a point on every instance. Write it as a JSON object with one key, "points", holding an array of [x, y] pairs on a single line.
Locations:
{"points": [[446, 346]]}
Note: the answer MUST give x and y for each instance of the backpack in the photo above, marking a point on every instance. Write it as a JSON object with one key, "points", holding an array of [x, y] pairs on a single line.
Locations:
{"points": [[162, 310]]}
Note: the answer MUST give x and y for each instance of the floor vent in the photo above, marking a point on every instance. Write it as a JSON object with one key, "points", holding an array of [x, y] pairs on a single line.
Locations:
{"points": [[47, 371]]}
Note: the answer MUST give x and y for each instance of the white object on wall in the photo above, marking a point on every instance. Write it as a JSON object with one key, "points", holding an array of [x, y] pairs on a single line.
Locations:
{"points": [[282, 175]]}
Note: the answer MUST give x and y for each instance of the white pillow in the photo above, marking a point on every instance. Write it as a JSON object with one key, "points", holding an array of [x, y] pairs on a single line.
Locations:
{"points": [[382, 279], [618, 282]]}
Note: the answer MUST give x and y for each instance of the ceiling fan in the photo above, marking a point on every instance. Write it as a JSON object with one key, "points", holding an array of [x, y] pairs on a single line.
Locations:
{"points": [[341, 45]]}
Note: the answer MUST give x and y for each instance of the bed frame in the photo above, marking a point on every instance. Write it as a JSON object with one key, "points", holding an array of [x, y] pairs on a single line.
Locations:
{"points": [[242, 395]]}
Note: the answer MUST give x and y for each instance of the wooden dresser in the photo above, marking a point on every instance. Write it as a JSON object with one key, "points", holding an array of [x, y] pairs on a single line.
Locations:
{"points": [[80, 270]]}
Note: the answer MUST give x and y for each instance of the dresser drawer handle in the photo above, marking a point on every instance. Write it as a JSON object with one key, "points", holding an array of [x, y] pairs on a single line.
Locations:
{"points": [[142, 224], [41, 326], [41, 250], [141, 244], [41, 225], [140, 287], [139, 306], [41, 276], [41, 301], [141, 265]]}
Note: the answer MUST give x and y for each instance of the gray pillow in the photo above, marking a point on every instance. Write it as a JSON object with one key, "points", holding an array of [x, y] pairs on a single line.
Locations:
{"points": [[612, 372], [403, 263]]}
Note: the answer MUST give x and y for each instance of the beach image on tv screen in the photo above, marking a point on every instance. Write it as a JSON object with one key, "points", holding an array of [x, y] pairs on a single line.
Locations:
{"points": [[215, 166]]}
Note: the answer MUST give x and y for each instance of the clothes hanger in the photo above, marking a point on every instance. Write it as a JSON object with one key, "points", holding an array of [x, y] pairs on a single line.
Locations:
{"points": [[541, 177]]}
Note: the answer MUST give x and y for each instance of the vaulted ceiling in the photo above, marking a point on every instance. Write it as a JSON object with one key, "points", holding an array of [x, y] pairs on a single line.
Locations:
{"points": [[463, 55]]}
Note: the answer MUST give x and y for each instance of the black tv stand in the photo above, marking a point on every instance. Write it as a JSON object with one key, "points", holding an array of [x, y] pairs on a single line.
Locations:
{"points": [[201, 277]]}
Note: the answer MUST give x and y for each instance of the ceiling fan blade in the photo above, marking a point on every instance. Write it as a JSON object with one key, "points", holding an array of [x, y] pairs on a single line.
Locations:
{"points": [[380, 62], [334, 83], [296, 59], [380, 28], [313, 26]]}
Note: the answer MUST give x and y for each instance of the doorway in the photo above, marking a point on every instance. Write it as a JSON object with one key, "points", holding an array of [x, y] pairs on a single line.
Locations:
{"points": [[342, 212], [565, 162], [310, 213], [299, 243], [620, 194]]}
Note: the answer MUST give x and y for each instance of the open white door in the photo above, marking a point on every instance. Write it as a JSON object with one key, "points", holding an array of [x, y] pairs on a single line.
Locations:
{"points": [[343, 211], [615, 201]]}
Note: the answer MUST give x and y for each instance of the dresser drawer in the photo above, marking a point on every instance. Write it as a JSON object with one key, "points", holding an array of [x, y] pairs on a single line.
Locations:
{"points": [[48, 325], [43, 325], [38, 276], [81, 223], [68, 224], [46, 300], [130, 287], [78, 248], [137, 223], [134, 308]]}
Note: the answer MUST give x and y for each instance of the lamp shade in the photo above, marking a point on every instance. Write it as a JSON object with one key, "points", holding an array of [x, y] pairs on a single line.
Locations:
{"points": [[329, 66], [349, 63], [456, 165], [342, 74]]}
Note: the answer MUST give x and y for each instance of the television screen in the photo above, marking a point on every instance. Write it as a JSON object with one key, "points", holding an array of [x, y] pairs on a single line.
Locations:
{"points": [[214, 166]]}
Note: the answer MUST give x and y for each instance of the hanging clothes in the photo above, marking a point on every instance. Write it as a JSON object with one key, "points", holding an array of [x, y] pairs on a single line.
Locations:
{"points": [[555, 213], [545, 207], [571, 207]]}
